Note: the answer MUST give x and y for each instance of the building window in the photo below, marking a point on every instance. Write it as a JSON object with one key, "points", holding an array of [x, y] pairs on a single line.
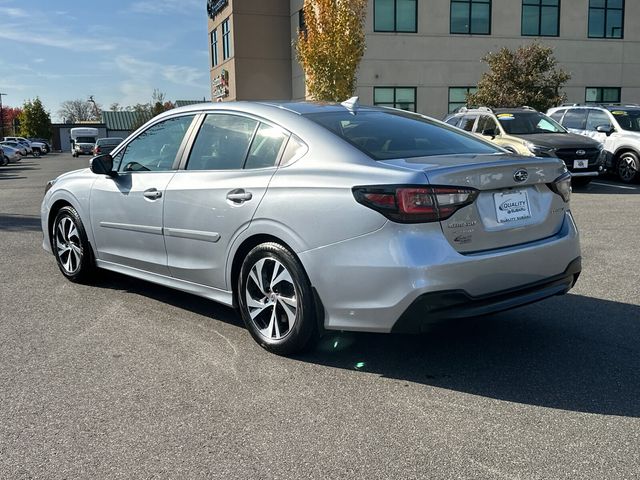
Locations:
{"points": [[226, 39], [396, 97], [541, 18], [302, 24], [214, 48], [606, 18], [471, 16], [458, 97], [395, 16], [602, 94]]}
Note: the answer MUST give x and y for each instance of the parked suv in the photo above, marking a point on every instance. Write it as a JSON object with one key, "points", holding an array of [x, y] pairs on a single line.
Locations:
{"points": [[528, 132], [616, 126]]}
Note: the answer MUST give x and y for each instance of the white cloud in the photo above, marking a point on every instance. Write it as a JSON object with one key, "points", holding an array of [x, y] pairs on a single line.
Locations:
{"points": [[13, 12]]}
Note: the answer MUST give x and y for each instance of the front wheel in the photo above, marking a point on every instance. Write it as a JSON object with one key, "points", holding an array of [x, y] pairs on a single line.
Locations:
{"points": [[628, 167], [71, 246], [276, 300]]}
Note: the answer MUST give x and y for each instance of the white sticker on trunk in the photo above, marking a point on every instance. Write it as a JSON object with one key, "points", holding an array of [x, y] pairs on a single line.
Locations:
{"points": [[512, 206]]}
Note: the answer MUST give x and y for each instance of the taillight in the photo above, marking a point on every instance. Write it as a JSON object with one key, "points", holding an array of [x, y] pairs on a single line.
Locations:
{"points": [[562, 186], [414, 204], [97, 150]]}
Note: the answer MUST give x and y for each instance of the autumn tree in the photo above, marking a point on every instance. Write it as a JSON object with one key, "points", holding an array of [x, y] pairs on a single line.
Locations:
{"points": [[527, 76], [146, 111], [330, 47], [10, 120], [74, 111], [34, 120]]}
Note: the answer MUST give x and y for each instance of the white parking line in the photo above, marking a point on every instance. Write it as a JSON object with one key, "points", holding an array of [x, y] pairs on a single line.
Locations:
{"points": [[613, 186]]}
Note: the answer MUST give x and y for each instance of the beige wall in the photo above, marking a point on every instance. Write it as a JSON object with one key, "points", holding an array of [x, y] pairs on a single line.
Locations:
{"points": [[260, 66], [431, 60]]}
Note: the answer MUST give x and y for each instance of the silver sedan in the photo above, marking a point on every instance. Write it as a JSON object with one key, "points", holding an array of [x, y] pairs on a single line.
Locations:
{"points": [[310, 217]]}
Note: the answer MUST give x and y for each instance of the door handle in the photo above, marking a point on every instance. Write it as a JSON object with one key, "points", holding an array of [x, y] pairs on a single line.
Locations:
{"points": [[239, 196], [152, 194]]}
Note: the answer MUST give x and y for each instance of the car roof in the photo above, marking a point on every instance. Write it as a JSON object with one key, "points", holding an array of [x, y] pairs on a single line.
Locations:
{"points": [[259, 107]]}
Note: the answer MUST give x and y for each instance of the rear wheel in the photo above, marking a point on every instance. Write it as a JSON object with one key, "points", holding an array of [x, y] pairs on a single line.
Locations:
{"points": [[71, 246], [628, 167], [276, 300]]}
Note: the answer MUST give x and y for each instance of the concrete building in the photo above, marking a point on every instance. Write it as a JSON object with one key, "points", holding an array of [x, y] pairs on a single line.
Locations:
{"points": [[424, 55]]}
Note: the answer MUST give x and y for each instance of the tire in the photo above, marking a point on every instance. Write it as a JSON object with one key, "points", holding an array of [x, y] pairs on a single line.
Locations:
{"points": [[74, 155], [71, 247], [628, 167], [280, 316], [580, 182]]}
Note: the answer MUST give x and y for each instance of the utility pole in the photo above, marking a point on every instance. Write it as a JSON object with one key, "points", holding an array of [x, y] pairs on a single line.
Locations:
{"points": [[1, 117]]}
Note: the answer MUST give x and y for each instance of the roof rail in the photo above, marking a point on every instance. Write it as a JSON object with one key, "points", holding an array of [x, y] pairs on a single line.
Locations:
{"points": [[527, 107]]}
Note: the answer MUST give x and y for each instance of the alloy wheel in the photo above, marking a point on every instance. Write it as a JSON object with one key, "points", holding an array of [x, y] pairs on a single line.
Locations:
{"points": [[627, 168], [68, 245], [271, 298]]}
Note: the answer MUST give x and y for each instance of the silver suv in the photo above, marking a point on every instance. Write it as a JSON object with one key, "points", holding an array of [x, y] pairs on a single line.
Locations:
{"points": [[616, 126]]}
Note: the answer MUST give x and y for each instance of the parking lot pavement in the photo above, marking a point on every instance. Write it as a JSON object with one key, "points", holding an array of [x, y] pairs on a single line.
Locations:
{"points": [[125, 379]]}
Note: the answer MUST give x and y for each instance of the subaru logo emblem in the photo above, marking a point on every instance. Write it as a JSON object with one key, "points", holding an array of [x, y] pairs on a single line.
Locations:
{"points": [[521, 175], [580, 153]]}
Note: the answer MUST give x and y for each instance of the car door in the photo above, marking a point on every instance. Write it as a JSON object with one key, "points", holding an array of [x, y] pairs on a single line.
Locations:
{"points": [[215, 196], [598, 118], [126, 209]]}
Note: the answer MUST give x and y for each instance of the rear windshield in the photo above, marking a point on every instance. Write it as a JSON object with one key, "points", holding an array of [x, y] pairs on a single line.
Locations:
{"points": [[628, 119], [109, 141], [528, 123], [384, 135]]}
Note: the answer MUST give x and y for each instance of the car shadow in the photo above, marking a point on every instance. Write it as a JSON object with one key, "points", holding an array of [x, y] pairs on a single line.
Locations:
{"points": [[16, 223], [571, 352], [176, 298], [9, 172], [604, 186]]}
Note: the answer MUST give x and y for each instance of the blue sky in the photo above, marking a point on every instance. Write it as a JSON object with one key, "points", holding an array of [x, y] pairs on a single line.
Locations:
{"points": [[115, 50]]}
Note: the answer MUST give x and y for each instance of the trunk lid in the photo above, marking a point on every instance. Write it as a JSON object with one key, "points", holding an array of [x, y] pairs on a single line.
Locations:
{"points": [[509, 210]]}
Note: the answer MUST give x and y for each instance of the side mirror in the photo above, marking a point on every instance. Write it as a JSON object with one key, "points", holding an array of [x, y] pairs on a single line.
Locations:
{"points": [[606, 129], [102, 165]]}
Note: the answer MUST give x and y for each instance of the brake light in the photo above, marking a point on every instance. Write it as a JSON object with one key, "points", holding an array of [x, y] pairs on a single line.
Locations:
{"points": [[562, 186], [415, 204], [97, 150]]}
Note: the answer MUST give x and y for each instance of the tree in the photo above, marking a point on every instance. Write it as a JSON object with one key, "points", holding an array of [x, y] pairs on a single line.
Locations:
{"points": [[74, 111], [330, 47], [10, 119], [34, 120], [146, 111], [526, 76]]}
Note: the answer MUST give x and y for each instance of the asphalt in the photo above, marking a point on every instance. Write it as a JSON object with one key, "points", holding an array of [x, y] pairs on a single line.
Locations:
{"points": [[125, 379]]}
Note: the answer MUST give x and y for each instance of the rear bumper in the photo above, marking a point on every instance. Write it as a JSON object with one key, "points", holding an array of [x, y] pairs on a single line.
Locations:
{"points": [[369, 282], [436, 306]]}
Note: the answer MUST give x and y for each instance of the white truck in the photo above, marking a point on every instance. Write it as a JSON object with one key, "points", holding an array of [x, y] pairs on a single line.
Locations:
{"points": [[83, 139]]}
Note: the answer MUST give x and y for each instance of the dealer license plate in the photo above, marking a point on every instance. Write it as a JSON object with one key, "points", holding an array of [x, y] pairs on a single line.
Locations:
{"points": [[580, 163], [512, 206]]}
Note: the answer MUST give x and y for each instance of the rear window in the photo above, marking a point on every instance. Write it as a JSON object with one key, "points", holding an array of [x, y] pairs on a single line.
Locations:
{"points": [[109, 141], [387, 135]]}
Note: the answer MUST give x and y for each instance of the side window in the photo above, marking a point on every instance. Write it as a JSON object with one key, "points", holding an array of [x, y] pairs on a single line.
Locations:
{"points": [[557, 116], [467, 122], [266, 146], [155, 149], [575, 118], [453, 121], [222, 143], [487, 126], [294, 150], [597, 118]]}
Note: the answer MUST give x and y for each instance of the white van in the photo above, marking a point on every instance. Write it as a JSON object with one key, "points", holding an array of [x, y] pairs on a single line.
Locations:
{"points": [[83, 139]]}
